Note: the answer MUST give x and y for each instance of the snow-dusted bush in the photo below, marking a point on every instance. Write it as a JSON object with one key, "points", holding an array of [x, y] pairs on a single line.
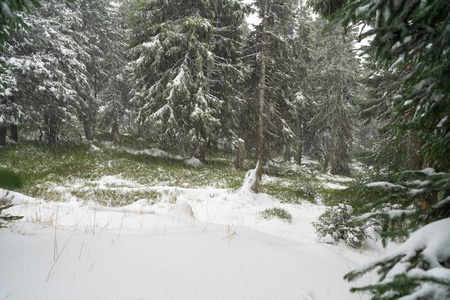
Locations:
{"points": [[418, 269], [333, 225]]}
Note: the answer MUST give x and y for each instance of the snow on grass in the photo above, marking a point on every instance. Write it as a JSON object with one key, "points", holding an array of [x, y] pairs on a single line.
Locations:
{"points": [[65, 250], [193, 162], [208, 244], [335, 186], [338, 178], [171, 243]]}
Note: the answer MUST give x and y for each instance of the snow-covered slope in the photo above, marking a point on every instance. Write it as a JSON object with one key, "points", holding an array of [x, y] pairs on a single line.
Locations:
{"points": [[209, 244]]}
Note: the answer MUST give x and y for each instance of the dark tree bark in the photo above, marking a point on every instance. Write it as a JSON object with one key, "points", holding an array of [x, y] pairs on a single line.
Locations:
{"points": [[14, 132], [262, 87], [299, 142], [88, 130], [240, 154], [287, 151], [51, 129], [115, 132], [201, 147], [2, 135]]}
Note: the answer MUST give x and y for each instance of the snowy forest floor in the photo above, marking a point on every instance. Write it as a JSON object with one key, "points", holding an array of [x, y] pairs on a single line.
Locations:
{"points": [[107, 222]]}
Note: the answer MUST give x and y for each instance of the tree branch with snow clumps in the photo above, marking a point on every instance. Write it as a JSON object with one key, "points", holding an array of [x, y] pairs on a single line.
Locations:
{"points": [[420, 268]]}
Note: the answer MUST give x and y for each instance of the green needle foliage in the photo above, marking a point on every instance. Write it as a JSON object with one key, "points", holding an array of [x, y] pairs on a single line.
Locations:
{"points": [[412, 36]]}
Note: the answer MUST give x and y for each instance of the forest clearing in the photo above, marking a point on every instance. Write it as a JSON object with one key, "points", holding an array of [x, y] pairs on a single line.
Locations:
{"points": [[111, 222], [225, 149]]}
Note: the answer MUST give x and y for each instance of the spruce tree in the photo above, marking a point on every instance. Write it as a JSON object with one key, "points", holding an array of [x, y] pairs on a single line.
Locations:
{"points": [[272, 80], [10, 22], [172, 52], [48, 72], [412, 36], [227, 71], [333, 86], [114, 94], [51, 67]]}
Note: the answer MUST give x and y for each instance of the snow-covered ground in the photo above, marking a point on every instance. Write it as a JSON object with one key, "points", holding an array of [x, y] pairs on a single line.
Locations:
{"points": [[191, 244]]}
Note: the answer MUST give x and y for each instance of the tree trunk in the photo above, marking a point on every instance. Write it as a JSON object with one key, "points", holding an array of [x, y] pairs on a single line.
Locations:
{"points": [[262, 87], [14, 134], [203, 148], [2, 135], [115, 132], [287, 151], [240, 154], [51, 130], [299, 142], [88, 130]]}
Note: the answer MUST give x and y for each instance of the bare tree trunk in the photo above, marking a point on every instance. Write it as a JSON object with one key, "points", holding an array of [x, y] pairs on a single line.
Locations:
{"points": [[88, 130], [240, 154], [299, 142], [262, 87], [14, 132], [287, 151], [203, 148], [51, 130], [115, 132], [2, 135]]}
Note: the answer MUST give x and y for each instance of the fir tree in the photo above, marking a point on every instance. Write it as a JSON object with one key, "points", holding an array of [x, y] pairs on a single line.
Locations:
{"points": [[411, 36], [115, 94], [272, 79], [333, 83], [51, 68], [227, 72], [171, 47], [10, 22]]}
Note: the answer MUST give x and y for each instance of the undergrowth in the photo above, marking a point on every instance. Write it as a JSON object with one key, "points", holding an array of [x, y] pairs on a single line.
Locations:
{"points": [[58, 172], [277, 212]]}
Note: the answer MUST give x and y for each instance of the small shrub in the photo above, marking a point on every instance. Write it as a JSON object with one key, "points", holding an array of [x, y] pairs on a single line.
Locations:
{"points": [[332, 225], [280, 213]]}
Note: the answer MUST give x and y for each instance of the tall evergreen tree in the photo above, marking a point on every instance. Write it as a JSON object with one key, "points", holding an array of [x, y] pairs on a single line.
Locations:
{"points": [[412, 36], [48, 70], [115, 94], [333, 83], [55, 73], [390, 149], [227, 72], [95, 37], [171, 46], [272, 78], [10, 22]]}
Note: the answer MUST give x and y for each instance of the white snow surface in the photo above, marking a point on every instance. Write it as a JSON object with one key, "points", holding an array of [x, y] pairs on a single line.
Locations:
{"points": [[193, 162], [209, 244]]}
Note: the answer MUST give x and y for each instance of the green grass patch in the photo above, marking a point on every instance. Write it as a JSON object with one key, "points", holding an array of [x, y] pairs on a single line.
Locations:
{"points": [[276, 212], [115, 197], [43, 168], [10, 180], [293, 189]]}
